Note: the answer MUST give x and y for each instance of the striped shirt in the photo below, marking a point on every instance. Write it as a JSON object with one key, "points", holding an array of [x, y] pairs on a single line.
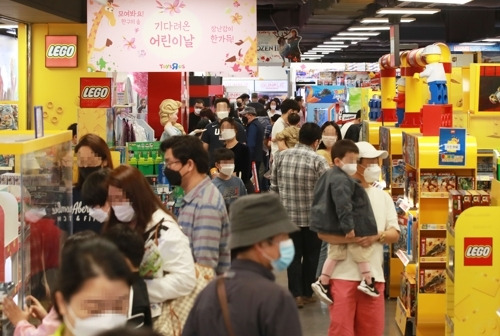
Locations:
{"points": [[203, 218], [295, 172]]}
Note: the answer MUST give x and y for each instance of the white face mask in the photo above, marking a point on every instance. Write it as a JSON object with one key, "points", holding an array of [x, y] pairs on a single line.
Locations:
{"points": [[197, 111], [349, 168], [124, 212], [94, 325], [273, 107], [227, 169], [372, 173], [328, 140], [222, 114], [99, 214], [227, 134]]}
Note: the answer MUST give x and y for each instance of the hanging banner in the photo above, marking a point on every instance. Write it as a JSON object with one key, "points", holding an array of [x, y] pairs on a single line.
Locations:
{"points": [[172, 35], [95, 92], [270, 44], [452, 146]]}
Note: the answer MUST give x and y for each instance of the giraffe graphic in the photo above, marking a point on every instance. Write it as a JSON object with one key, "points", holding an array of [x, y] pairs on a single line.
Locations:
{"points": [[106, 10], [250, 58]]}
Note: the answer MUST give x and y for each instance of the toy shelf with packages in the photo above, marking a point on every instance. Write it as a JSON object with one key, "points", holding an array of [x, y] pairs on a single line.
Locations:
{"points": [[427, 187], [370, 131], [35, 210], [393, 173]]}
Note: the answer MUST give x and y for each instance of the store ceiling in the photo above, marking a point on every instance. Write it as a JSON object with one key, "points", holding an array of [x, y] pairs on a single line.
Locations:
{"points": [[318, 21]]}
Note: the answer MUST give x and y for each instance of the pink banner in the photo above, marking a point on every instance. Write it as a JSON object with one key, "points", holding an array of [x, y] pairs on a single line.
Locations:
{"points": [[172, 35]]}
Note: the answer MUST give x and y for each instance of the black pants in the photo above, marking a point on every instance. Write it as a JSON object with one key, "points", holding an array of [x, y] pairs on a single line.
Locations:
{"points": [[302, 270]]}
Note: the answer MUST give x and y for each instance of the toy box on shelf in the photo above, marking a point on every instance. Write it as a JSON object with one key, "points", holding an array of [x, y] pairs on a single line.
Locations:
{"points": [[428, 188], [35, 210]]}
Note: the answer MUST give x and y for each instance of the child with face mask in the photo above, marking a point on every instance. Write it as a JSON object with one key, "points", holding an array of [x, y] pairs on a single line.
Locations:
{"points": [[230, 186], [341, 206]]}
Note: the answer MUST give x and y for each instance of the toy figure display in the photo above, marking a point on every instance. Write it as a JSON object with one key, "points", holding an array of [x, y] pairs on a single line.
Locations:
{"points": [[375, 105], [400, 100], [435, 74], [168, 119]]}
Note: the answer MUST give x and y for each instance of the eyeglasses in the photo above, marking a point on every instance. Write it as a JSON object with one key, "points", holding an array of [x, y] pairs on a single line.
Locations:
{"points": [[168, 164]]}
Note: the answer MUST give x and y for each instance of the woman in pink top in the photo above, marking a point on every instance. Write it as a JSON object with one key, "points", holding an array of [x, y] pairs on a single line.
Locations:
{"points": [[19, 318]]}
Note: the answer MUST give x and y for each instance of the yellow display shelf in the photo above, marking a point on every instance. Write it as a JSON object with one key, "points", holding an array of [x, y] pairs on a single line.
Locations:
{"points": [[495, 192], [370, 131], [23, 142], [472, 306]]}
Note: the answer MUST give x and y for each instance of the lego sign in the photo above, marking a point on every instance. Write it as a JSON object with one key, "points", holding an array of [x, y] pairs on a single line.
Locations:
{"points": [[61, 51], [95, 92], [478, 251]]}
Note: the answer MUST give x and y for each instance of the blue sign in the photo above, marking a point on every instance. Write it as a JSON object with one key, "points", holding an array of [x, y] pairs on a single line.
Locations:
{"points": [[452, 146]]}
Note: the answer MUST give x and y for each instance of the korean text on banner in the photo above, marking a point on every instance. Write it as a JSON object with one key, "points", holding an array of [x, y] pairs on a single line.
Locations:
{"points": [[172, 35], [452, 146]]}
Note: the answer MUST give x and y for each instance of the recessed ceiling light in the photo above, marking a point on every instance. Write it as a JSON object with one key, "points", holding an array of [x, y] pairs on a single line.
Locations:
{"points": [[478, 43], [402, 11], [489, 40], [359, 34], [333, 46], [324, 49], [333, 42], [349, 38], [361, 28], [453, 2], [385, 20], [354, 42]]}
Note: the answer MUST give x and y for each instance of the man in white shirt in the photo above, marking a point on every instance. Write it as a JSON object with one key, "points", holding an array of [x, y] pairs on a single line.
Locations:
{"points": [[352, 312], [350, 130], [288, 106]]}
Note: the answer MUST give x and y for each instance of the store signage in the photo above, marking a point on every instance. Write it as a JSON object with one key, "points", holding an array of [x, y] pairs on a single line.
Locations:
{"points": [[217, 36], [269, 45], [478, 251], [452, 146], [271, 86], [61, 51], [95, 92]]}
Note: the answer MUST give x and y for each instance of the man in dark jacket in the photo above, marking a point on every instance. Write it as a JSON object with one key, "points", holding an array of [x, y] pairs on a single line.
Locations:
{"points": [[256, 305], [255, 139]]}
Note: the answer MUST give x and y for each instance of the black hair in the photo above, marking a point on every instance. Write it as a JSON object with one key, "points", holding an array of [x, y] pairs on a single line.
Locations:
{"points": [[89, 260], [275, 117], [266, 97], [199, 101], [95, 188], [128, 241], [78, 238], [289, 104], [276, 101], [293, 119], [223, 154], [324, 126], [73, 128], [342, 147], [262, 101], [255, 95], [309, 133], [298, 99], [245, 96], [186, 147], [129, 331], [358, 114], [208, 113]]}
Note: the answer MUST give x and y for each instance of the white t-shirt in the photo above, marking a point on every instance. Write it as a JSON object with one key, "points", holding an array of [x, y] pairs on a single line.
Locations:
{"points": [[386, 218], [344, 128], [278, 126]]}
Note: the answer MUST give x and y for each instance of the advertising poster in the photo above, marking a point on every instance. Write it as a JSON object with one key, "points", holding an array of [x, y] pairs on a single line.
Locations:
{"points": [[320, 113], [172, 35], [489, 88], [9, 117], [319, 94], [452, 146], [269, 47]]}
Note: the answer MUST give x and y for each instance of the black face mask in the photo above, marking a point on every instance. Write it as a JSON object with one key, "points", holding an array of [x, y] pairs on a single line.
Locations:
{"points": [[239, 104], [86, 171], [174, 177], [245, 120]]}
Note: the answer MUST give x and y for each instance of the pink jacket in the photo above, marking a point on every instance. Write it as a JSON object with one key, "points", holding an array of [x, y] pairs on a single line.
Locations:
{"points": [[49, 325]]}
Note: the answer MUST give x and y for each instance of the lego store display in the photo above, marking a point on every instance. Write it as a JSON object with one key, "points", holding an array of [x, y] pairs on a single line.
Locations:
{"points": [[432, 281]]}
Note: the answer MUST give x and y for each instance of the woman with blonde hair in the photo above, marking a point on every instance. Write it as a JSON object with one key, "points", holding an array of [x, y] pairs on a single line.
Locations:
{"points": [[168, 119]]}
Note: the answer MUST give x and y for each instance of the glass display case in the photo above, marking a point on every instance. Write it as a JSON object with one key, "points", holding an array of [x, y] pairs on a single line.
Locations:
{"points": [[35, 212]]}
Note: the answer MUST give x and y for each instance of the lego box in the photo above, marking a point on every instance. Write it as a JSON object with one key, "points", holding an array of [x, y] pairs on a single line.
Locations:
{"points": [[446, 182], [429, 182], [454, 206], [432, 247], [465, 182], [432, 281], [476, 197], [485, 198], [466, 199]]}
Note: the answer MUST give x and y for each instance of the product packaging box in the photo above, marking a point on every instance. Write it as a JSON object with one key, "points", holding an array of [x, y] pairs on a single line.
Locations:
{"points": [[446, 182], [432, 247], [454, 206], [398, 174], [429, 182], [408, 293], [483, 185], [465, 182], [432, 281], [476, 197], [466, 199], [485, 198]]}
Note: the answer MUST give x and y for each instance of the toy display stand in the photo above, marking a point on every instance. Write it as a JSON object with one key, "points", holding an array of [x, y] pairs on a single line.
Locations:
{"points": [[370, 131], [421, 156]]}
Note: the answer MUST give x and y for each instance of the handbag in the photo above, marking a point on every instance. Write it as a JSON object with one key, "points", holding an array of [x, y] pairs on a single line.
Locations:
{"points": [[221, 294]]}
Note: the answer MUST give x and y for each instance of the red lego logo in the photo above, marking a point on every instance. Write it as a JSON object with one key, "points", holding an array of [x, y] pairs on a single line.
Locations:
{"points": [[478, 251]]}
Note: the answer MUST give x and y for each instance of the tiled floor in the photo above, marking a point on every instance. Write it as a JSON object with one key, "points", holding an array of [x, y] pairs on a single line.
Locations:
{"points": [[315, 320]]}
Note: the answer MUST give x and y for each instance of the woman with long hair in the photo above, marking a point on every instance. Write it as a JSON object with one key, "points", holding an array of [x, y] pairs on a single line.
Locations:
{"points": [[330, 134]]}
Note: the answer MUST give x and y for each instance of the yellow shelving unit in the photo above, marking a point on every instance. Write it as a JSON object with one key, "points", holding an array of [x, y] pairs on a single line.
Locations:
{"points": [[421, 155], [370, 131]]}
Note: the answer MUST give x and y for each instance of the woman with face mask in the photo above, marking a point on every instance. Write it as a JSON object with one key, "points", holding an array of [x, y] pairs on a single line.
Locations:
{"points": [[92, 154], [242, 165], [168, 265], [93, 292], [273, 107], [331, 134]]}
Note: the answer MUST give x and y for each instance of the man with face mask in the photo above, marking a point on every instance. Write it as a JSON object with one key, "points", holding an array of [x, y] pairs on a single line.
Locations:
{"points": [[295, 172], [194, 118], [203, 215], [212, 138], [349, 309], [260, 243]]}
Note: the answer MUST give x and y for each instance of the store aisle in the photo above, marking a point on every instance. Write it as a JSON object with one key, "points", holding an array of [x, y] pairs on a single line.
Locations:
{"points": [[315, 320]]}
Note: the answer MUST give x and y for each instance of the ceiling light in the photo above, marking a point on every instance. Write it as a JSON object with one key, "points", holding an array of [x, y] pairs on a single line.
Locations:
{"points": [[361, 28], [333, 46], [385, 20], [359, 34], [333, 42], [489, 40], [403, 11], [349, 38], [322, 50], [452, 2], [478, 43], [354, 42]]}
